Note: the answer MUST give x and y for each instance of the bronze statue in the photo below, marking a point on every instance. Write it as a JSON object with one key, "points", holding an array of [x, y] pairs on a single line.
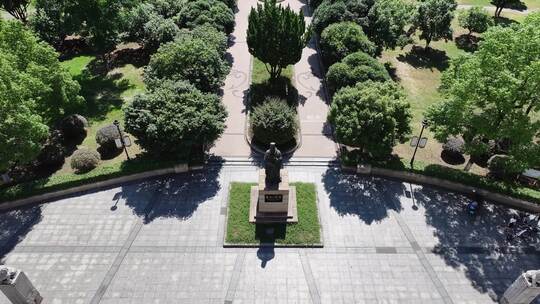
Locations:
{"points": [[272, 164]]}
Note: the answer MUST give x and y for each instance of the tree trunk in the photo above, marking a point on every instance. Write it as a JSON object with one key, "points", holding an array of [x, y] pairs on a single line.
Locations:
{"points": [[468, 165]]}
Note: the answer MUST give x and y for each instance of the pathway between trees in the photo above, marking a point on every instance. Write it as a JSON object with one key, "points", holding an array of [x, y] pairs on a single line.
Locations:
{"points": [[317, 139]]}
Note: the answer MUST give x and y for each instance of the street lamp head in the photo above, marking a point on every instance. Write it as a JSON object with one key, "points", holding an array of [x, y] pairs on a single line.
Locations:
{"points": [[425, 122], [116, 122]]}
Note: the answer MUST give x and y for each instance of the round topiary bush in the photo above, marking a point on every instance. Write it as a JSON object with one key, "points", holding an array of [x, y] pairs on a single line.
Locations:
{"points": [[452, 152], [74, 127], [84, 160], [106, 136], [344, 38], [274, 121]]}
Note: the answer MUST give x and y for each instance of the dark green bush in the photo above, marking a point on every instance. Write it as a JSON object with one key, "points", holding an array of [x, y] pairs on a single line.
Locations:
{"points": [[213, 12], [53, 152], [74, 126], [341, 39], [274, 121], [207, 33], [188, 59], [355, 68], [84, 160], [500, 167]]}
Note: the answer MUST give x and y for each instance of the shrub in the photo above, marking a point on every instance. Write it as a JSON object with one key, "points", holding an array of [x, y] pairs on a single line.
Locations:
{"points": [[453, 151], [74, 126], [174, 117], [188, 59], [207, 33], [328, 12], [341, 39], [84, 160], [357, 67], [500, 166], [53, 152], [475, 19], [274, 121], [372, 116], [213, 12], [106, 136]]}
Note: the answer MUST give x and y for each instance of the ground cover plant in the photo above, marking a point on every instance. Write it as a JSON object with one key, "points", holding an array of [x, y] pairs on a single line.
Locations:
{"points": [[305, 232]]}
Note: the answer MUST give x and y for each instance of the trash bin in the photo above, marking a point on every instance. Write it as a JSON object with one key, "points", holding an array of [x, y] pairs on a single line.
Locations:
{"points": [[17, 287], [524, 289]]}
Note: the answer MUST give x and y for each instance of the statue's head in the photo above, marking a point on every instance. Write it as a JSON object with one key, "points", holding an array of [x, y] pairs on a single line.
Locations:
{"points": [[272, 147]]}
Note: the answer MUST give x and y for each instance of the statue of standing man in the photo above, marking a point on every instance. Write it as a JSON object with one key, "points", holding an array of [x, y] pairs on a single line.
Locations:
{"points": [[272, 164]]}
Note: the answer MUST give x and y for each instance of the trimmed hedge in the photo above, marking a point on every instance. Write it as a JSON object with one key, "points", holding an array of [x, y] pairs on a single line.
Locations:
{"points": [[341, 39], [274, 121], [84, 160]]}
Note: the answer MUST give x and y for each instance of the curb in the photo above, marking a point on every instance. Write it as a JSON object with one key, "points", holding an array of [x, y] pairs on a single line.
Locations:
{"points": [[405, 176], [55, 195]]}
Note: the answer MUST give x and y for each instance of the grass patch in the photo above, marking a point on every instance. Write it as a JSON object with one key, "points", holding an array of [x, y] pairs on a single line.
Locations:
{"points": [[260, 74], [305, 232]]}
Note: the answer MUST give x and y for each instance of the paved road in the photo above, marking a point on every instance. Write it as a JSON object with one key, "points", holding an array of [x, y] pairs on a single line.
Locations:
{"points": [[160, 241]]}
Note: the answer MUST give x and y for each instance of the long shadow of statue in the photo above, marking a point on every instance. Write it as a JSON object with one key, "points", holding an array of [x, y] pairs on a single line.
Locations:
{"points": [[177, 196], [15, 225], [477, 245], [369, 199]]}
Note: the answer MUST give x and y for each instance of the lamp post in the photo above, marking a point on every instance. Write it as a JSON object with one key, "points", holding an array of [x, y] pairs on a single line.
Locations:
{"points": [[418, 141], [122, 142]]}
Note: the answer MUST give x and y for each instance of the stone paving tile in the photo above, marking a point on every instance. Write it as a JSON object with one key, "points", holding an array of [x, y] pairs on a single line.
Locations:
{"points": [[480, 278], [272, 278], [186, 213], [171, 278], [370, 278], [63, 278], [85, 220]]}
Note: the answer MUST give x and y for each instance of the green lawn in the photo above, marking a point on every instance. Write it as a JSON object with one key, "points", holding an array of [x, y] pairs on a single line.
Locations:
{"points": [[305, 232], [105, 96], [259, 74]]}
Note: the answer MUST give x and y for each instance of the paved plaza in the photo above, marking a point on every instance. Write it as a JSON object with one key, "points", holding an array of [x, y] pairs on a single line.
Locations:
{"points": [[160, 241]]}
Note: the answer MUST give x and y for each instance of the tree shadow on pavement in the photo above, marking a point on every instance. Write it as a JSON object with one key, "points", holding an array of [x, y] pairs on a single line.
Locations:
{"points": [[15, 225], [476, 244], [369, 199], [177, 196]]}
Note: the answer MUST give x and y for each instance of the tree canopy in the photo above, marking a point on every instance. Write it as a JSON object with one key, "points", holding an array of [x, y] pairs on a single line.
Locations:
{"points": [[174, 117], [433, 19], [501, 4], [191, 59], [344, 38], [373, 116], [213, 12], [35, 91], [494, 95], [475, 19], [357, 67], [276, 36]]}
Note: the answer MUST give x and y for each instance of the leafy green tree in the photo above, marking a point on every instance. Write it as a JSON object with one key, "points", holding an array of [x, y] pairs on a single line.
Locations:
{"points": [[355, 68], [38, 76], [372, 116], [434, 19], [174, 117], [213, 12], [207, 33], [494, 95], [475, 19], [188, 59], [98, 20], [341, 39], [276, 36], [16, 8], [35, 91], [145, 25], [387, 20], [501, 4]]}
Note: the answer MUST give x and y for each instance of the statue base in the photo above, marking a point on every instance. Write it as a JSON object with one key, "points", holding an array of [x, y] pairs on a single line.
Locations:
{"points": [[273, 203]]}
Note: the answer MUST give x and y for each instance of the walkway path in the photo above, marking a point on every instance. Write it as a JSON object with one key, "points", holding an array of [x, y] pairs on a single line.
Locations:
{"points": [[160, 241], [233, 143]]}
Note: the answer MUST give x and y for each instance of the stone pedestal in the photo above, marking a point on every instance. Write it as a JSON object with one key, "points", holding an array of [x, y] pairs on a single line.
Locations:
{"points": [[17, 287], [524, 289], [273, 203]]}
